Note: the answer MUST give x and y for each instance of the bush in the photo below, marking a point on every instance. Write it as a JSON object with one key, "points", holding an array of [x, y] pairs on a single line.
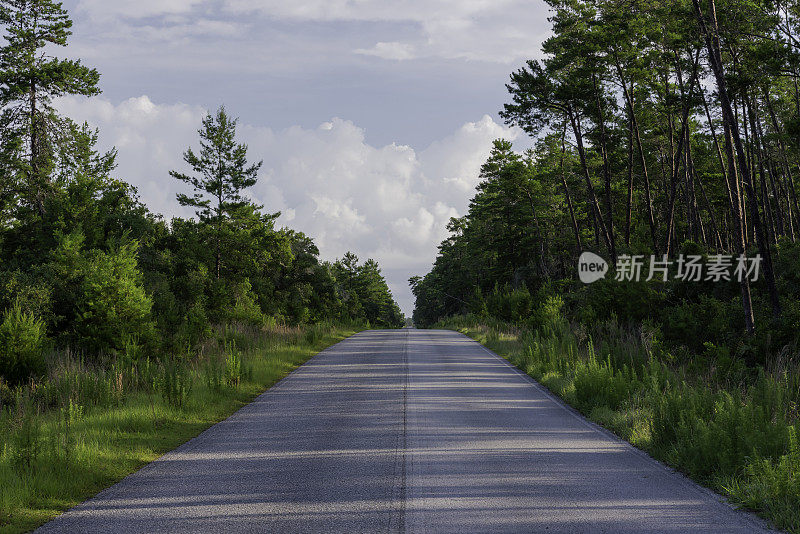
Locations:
{"points": [[26, 444], [787, 268], [774, 486], [547, 316], [214, 375], [113, 305], [245, 309], [86, 387], [22, 345], [197, 327], [629, 301], [218, 373], [233, 366], [34, 296], [694, 324], [512, 305]]}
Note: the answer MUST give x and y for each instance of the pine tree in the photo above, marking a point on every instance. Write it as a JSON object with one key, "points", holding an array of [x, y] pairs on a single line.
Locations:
{"points": [[29, 80], [221, 174]]}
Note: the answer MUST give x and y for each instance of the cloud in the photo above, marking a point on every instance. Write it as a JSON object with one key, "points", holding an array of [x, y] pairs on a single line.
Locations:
{"points": [[493, 30], [104, 10], [393, 50], [454, 160], [150, 139], [391, 203], [370, 10], [484, 30]]}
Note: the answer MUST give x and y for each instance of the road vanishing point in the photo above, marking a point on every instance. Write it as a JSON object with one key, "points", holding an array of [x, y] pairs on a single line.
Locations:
{"points": [[406, 431]]}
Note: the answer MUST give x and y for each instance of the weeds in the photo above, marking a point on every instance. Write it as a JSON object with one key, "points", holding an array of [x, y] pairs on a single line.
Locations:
{"points": [[233, 365], [27, 436], [175, 383], [214, 375]]}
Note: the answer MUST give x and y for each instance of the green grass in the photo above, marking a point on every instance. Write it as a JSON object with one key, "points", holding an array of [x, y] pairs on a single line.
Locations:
{"points": [[55, 456], [734, 433]]}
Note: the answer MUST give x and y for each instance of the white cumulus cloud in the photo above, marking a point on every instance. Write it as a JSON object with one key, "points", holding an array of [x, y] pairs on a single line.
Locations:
{"points": [[391, 203]]}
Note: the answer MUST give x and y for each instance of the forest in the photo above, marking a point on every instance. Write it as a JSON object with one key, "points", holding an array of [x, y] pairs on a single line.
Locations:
{"points": [[103, 301], [659, 130]]}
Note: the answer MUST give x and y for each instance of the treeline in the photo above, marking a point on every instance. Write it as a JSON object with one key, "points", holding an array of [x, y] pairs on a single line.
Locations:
{"points": [[661, 128], [84, 264]]}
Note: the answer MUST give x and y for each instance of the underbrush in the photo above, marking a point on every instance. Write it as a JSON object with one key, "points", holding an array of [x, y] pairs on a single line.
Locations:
{"points": [[730, 428], [86, 425]]}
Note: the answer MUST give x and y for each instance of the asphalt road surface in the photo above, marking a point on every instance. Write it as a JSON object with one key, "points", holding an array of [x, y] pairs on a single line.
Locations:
{"points": [[405, 431]]}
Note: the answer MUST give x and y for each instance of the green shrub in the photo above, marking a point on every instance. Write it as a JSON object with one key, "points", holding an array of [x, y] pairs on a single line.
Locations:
{"points": [[693, 324], [628, 301], [113, 305], [787, 268], [244, 309], [22, 345], [197, 326], [547, 316], [477, 304], [64, 439], [214, 375], [83, 386], [233, 366], [512, 305], [32, 294]]}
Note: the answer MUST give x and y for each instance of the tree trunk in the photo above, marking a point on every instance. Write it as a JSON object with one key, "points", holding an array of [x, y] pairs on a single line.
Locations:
{"points": [[599, 222], [629, 100], [709, 207], [715, 60], [606, 170], [629, 200], [772, 227], [566, 190], [718, 149], [676, 159], [794, 218]]}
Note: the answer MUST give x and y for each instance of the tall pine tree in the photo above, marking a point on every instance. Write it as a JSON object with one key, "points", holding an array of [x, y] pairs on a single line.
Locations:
{"points": [[29, 80], [221, 174]]}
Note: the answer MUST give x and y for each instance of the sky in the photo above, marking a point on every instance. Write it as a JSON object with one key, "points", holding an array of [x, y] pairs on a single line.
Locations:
{"points": [[372, 117]]}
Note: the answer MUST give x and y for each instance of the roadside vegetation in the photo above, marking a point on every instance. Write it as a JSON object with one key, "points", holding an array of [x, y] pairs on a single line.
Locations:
{"points": [[736, 433], [87, 426], [123, 334], [660, 130]]}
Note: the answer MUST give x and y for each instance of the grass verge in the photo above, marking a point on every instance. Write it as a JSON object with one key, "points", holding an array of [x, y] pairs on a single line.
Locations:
{"points": [[84, 429], [734, 431]]}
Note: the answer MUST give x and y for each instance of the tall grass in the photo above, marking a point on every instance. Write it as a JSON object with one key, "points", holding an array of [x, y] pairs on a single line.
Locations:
{"points": [[86, 425], [732, 429]]}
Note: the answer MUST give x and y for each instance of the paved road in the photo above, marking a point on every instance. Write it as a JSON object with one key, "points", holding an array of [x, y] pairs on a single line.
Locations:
{"points": [[405, 431]]}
